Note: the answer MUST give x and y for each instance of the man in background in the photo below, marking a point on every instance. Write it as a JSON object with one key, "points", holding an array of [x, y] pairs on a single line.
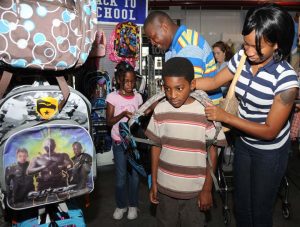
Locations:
{"points": [[179, 41]]}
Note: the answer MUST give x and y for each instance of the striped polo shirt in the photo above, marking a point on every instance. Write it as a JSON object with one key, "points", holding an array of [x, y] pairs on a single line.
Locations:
{"points": [[190, 44], [256, 95], [182, 133]]}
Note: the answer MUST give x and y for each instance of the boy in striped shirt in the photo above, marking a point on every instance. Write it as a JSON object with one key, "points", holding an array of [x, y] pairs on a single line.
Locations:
{"points": [[181, 180]]}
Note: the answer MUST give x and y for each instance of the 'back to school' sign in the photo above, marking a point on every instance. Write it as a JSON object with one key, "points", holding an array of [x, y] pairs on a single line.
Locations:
{"points": [[115, 11]]}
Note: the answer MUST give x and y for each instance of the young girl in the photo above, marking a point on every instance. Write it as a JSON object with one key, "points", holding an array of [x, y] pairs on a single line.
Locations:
{"points": [[266, 90], [120, 106]]}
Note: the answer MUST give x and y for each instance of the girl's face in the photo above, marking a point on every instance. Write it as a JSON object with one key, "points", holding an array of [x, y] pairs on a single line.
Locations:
{"points": [[219, 55], [128, 84], [267, 49]]}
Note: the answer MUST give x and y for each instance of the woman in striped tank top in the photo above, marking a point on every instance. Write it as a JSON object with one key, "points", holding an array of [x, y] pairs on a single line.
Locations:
{"points": [[266, 90]]}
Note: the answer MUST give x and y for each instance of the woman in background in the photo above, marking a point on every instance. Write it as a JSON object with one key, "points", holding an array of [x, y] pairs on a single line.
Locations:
{"points": [[222, 54]]}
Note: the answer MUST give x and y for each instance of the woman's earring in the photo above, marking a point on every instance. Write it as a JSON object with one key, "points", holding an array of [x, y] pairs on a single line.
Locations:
{"points": [[123, 92], [277, 55]]}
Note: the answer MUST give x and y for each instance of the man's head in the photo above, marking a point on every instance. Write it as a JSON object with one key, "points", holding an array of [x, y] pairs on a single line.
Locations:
{"points": [[22, 155], [178, 75], [49, 145], [160, 29], [77, 148]]}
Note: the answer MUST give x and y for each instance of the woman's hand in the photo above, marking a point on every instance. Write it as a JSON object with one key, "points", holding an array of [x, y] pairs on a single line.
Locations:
{"points": [[215, 113]]}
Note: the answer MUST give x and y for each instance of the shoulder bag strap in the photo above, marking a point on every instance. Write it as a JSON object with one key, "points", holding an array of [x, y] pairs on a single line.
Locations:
{"points": [[231, 89]]}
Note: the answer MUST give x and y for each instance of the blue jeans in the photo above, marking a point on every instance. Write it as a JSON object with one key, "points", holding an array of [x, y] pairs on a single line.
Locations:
{"points": [[122, 175], [257, 177]]}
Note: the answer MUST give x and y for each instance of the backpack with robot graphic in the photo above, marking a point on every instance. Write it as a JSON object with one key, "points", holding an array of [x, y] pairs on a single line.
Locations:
{"points": [[97, 87], [124, 43], [47, 155]]}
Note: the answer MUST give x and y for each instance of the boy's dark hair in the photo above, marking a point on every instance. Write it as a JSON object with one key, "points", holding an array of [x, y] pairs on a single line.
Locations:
{"points": [[178, 67], [274, 24]]}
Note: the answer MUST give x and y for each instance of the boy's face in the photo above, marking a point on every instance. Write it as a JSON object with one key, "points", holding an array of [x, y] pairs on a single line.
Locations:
{"points": [[177, 90]]}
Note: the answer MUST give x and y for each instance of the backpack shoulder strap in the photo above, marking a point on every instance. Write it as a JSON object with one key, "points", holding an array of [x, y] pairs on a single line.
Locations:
{"points": [[202, 97], [199, 95], [141, 111]]}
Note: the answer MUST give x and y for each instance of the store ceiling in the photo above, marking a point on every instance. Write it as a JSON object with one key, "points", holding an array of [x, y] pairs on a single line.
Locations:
{"points": [[220, 4]]}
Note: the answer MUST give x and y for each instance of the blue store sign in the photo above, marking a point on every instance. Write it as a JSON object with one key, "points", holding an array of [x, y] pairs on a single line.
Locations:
{"points": [[115, 11]]}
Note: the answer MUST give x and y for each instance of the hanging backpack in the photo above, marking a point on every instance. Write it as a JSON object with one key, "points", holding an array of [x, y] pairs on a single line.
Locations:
{"points": [[47, 156], [97, 87], [46, 35], [127, 40], [124, 43], [39, 124]]}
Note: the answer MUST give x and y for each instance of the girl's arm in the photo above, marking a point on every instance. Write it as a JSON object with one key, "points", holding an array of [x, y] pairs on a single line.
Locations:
{"points": [[111, 119], [212, 83], [277, 117]]}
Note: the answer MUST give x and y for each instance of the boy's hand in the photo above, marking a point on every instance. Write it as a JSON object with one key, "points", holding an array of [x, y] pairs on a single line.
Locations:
{"points": [[153, 194], [205, 201]]}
